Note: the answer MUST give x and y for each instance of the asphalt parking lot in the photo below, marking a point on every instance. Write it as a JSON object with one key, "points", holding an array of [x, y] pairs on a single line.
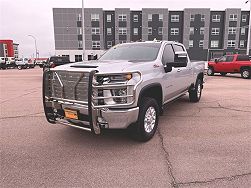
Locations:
{"points": [[205, 144]]}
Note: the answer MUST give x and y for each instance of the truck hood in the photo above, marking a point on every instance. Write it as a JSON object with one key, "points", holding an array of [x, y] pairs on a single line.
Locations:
{"points": [[102, 66]]}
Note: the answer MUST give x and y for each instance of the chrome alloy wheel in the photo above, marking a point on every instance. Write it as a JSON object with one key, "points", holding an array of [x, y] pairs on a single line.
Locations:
{"points": [[245, 73], [199, 90], [150, 119]]}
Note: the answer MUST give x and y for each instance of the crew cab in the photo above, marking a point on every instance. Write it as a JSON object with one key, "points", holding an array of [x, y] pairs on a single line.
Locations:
{"points": [[236, 63], [126, 88]]}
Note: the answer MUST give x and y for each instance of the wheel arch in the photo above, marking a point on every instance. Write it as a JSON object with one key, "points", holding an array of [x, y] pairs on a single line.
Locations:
{"points": [[154, 91]]}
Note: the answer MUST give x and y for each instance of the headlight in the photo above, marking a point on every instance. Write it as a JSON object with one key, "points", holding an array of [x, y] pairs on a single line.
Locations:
{"points": [[121, 90]]}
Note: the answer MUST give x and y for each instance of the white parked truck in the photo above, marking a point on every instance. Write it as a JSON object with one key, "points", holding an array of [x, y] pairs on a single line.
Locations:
{"points": [[126, 87]]}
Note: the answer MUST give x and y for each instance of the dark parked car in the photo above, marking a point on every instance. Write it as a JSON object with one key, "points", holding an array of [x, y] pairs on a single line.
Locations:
{"points": [[56, 61]]}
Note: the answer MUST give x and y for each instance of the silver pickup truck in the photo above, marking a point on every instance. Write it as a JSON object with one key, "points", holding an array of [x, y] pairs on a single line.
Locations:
{"points": [[126, 88]]}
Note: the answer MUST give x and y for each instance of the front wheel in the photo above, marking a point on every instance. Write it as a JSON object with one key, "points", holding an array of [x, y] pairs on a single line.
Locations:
{"points": [[19, 67], [210, 71], [195, 93], [148, 118], [245, 73]]}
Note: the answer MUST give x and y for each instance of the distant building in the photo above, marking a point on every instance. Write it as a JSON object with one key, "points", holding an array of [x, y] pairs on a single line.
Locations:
{"points": [[206, 34], [8, 48]]}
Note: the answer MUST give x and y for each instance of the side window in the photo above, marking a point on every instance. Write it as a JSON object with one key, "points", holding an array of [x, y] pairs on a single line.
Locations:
{"points": [[222, 59], [229, 59], [168, 54], [178, 48], [242, 58]]}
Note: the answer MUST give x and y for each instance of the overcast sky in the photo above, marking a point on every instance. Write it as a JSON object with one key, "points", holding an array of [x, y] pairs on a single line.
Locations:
{"points": [[20, 18]]}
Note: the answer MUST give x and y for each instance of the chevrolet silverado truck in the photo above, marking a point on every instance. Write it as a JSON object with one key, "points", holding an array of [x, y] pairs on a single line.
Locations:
{"points": [[125, 88], [237, 63]]}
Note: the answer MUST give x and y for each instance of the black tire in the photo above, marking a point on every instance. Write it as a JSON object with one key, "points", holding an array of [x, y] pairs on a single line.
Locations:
{"points": [[210, 71], [195, 93], [140, 131], [223, 73], [19, 67], [246, 73]]}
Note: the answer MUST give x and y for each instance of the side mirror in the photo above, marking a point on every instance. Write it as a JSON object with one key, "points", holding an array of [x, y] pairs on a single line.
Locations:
{"points": [[168, 68], [180, 60], [216, 60]]}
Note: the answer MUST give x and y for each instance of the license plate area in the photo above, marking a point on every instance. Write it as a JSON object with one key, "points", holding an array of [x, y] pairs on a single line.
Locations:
{"points": [[71, 114]]}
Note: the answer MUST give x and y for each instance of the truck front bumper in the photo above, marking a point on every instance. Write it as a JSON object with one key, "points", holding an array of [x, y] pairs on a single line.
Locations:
{"points": [[102, 118]]}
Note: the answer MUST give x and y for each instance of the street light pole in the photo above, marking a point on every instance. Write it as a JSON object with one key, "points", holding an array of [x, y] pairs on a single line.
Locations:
{"points": [[249, 28], [35, 44], [83, 29]]}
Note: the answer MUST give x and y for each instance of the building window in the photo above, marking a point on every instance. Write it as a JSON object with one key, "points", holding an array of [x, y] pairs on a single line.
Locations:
{"points": [[122, 17], [216, 18], [79, 30], [233, 17], [174, 31], [108, 17], [214, 44], [94, 17], [231, 43], [192, 16], [201, 43], [135, 31], [95, 44], [242, 43], [150, 30], [160, 30], [244, 18], [191, 30], [150, 17], [202, 18], [243, 31], [109, 31], [95, 31], [202, 30], [80, 44], [215, 31], [109, 44], [232, 30], [190, 43], [78, 58], [160, 17], [175, 18], [135, 18], [79, 18], [122, 31]]}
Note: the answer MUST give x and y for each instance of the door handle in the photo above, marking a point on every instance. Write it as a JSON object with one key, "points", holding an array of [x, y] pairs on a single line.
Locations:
{"points": [[179, 70]]}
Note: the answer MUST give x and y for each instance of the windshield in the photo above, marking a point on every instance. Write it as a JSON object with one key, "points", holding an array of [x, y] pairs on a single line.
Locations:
{"points": [[133, 52]]}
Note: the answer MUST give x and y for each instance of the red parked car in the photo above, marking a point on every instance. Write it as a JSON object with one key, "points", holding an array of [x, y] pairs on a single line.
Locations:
{"points": [[236, 63]]}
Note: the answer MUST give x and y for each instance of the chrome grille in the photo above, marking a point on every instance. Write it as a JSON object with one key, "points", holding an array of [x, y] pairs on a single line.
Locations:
{"points": [[70, 85]]}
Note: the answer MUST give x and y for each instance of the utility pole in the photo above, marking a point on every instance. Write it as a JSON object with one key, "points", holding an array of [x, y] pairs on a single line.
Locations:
{"points": [[249, 28], [83, 29]]}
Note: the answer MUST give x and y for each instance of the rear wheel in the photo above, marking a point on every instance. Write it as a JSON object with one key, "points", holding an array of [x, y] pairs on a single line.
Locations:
{"points": [[223, 73], [245, 73], [148, 118], [195, 93], [210, 71]]}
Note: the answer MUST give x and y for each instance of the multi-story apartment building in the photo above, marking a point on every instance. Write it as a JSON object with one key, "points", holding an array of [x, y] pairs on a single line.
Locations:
{"points": [[206, 34], [8, 48]]}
